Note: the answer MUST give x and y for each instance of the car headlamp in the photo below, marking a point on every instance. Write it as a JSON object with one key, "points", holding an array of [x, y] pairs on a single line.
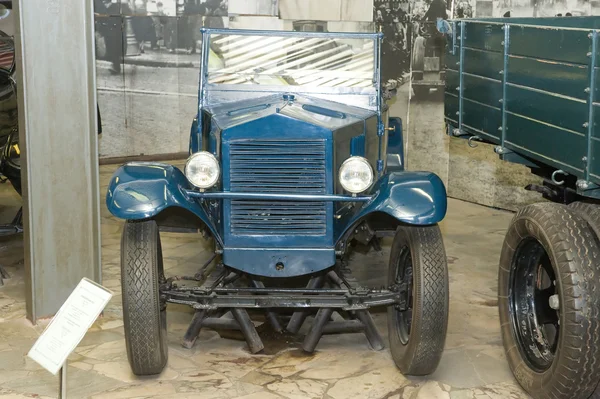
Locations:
{"points": [[356, 175], [202, 169]]}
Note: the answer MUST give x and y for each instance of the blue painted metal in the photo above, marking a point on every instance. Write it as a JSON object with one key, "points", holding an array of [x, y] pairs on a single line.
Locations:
{"points": [[589, 125], [276, 261], [395, 136], [277, 197], [504, 72], [380, 125], [258, 157], [141, 190], [417, 198], [357, 146], [202, 79], [461, 67], [195, 136], [395, 146]]}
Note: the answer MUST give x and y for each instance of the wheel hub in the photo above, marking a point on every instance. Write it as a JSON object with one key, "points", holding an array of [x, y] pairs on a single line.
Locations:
{"points": [[534, 304], [404, 278]]}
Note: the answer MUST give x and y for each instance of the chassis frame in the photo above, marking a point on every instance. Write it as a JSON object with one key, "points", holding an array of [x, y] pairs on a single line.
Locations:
{"points": [[219, 296]]}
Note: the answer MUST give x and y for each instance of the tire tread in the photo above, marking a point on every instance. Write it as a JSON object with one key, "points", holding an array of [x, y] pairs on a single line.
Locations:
{"points": [[422, 354], [145, 331]]}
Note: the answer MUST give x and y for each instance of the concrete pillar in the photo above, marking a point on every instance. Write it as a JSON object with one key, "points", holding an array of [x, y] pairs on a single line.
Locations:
{"points": [[57, 124]]}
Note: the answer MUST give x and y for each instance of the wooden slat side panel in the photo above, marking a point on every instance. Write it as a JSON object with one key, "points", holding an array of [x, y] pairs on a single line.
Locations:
{"points": [[451, 106], [452, 81], [560, 111], [483, 63], [552, 145], [484, 36], [567, 80], [569, 46], [592, 22], [482, 90], [483, 118]]}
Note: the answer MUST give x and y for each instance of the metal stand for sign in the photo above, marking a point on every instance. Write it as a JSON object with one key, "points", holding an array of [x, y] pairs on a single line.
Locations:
{"points": [[62, 382]]}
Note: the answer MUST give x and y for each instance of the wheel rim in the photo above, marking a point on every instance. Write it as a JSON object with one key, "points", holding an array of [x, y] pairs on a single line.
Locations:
{"points": [[534, 322], [404, 275]]}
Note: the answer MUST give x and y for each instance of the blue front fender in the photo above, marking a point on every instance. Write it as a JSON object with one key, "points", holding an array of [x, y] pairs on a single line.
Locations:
{"points": [[141, 190], [410, 197]]}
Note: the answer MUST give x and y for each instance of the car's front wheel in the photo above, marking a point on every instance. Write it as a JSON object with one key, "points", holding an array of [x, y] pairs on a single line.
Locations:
{"points": [[417, 330], [549, 300], [144, 316]]}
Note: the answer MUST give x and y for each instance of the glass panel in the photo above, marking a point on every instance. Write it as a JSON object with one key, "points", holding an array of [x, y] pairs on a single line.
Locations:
{"points": [[291, 61]]}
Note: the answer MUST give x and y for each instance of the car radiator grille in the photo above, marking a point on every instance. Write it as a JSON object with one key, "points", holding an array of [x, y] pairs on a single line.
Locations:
{"points": [[278, 166]]}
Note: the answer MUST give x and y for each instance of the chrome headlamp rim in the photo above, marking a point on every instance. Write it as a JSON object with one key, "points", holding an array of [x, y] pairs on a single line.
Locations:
{"points": [[363, 160], [216, 164]]}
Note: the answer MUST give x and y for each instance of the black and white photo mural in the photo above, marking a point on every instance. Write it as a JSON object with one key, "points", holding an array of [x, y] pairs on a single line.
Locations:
{"points": [[148, 60], [393, 19]]}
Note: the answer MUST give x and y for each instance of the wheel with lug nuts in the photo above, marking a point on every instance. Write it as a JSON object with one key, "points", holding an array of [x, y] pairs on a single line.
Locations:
{"points": [[548, 297]]}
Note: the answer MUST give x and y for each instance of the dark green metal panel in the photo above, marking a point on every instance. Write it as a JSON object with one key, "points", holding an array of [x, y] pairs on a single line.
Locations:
{"points": [[451, 107], [561, 147], [568, 80], [483, 63], [484, 36], [482, 117], [571, 46], [452, 59], [482, 90], [555, 110], [452, 81]]}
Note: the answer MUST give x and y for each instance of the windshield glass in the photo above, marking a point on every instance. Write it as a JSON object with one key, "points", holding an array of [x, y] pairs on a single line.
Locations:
{"points": [[292, 59]]}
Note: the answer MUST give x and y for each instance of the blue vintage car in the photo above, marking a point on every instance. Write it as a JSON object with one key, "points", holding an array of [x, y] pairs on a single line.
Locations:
{"points": [[292, 159]]}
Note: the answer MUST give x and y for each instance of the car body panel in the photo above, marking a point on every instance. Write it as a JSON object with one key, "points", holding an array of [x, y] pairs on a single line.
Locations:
{"points": [[278, 209]]}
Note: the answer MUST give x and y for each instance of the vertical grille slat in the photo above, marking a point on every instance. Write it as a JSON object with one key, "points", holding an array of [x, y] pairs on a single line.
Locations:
{"points": [[278, 166]]}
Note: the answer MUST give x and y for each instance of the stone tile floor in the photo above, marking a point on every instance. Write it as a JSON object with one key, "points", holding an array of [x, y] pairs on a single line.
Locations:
{"points": [[473, 365]]}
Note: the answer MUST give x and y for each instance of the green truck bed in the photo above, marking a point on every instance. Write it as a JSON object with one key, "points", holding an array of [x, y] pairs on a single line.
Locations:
{"points": [[529, 86]]}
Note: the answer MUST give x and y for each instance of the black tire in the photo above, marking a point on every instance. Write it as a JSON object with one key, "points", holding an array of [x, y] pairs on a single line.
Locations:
{"points": [[591, 214], [417, 336], [553, 353], [144, 317], [588, 212]]}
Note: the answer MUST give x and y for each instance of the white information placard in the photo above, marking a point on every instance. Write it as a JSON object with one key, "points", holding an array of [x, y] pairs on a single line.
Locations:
{"points": [[70, 324]]}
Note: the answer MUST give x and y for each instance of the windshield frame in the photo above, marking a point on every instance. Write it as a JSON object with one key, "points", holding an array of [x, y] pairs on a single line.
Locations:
{"points": [[217, 93]]}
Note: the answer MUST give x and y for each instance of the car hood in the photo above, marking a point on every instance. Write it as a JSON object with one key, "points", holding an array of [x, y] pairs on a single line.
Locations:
{"points": [[324, 113]]}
